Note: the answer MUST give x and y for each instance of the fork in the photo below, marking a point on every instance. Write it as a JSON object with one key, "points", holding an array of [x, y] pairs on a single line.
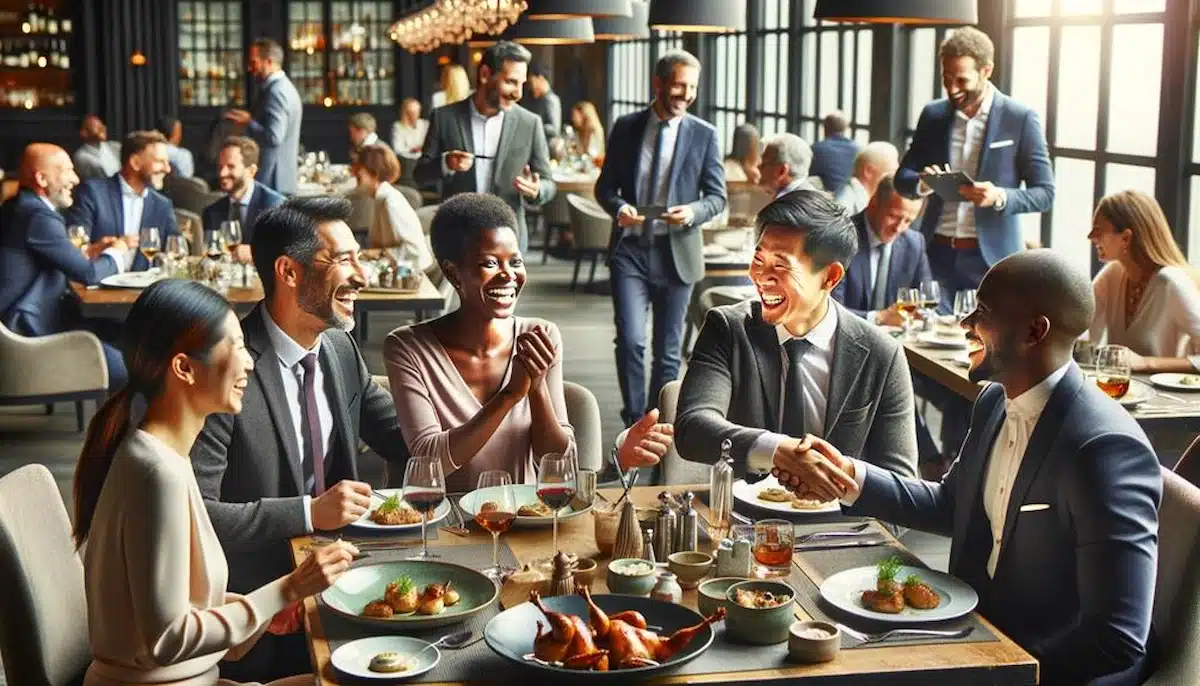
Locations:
{"points": [[852, 531], [461, 529], [905, 633]]}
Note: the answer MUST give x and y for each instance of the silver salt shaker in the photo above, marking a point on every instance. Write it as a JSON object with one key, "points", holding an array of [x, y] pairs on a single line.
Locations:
{"points": [[687, 536]]}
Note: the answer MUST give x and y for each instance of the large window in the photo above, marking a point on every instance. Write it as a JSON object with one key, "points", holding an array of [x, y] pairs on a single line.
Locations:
{"points": [[729, 74], [773, 35], [835, 62], [629, 77]]}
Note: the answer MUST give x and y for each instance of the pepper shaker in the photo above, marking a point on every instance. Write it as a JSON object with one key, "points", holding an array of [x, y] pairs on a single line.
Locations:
{"points": [[687, 536], [664, 527]]}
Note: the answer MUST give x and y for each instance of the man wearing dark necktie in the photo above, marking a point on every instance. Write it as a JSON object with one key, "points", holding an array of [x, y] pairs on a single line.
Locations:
{"points": [[666, 161], [766, 373], [286, 466], [245, 198]]}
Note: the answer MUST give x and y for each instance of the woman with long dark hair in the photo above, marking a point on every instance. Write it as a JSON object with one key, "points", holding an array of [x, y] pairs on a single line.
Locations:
{"points": [[155, 574]]}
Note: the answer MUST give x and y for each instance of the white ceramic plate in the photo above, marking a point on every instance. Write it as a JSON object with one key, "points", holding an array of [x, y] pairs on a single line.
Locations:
{"points": [[962, 359], [1138, 393], [1177, 382], [933, 340], [525, 494], [133, 279], [364, 522], [353, 658], [844, 591], [748, 494]]}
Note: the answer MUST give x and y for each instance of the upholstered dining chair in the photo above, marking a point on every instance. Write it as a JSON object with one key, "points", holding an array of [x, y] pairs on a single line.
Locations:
{"points": [[583, 412], [675, 469], [1189, 465], [61, 367], [44, 635], [1176, 618], [591, 228], [412, 195]]}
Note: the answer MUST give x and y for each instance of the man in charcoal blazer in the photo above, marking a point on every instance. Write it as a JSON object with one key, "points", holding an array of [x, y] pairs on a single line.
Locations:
{"points": [[763, 374]]}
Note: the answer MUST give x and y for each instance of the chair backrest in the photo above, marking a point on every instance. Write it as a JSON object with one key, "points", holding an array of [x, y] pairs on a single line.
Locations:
{"points": [[1189, 465], [44, 635], [425, 214], [675, 469], [190, 193], [412, 195], [362, 211], [556, 212], [1177, 590], [192, 228], [590, 224], [583, 411]]}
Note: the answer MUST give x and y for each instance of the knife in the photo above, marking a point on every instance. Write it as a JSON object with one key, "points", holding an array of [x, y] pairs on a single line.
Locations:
{"points": [[819, 545]]}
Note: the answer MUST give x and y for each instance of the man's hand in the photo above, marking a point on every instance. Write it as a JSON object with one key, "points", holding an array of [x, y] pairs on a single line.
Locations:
{"points": [[628, 216], [238, 116], [459, 161], [94, 249], [680, 215], [890, 317], [646, 442], [131, 241], [813, 468], [982, 193], [340, 505], [242, 254], [528, 184]]}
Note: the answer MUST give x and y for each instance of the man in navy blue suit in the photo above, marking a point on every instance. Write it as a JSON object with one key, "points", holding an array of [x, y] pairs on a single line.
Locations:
{"points": [[37, 258], [999, 143], [664, 160], [245, 198], [128, 201], [890, 257], [1052, 505], [833, 156]]}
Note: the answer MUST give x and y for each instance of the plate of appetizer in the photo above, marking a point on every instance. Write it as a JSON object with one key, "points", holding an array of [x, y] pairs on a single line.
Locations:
{"points": [[769, 495], [1178, 382], [410, 594], [389, 512], [895, 593], [944, 338], [531, 511], [387, 658], [609, 638], [141, 279]]}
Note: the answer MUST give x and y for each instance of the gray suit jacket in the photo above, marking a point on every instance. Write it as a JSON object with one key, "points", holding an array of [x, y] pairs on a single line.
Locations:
{"points": [[248, 465], [276, 128], [732, 390], [522, 142]]}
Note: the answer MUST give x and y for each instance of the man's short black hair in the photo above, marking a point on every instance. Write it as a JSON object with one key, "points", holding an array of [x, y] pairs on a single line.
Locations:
{"points": [[291, 229], [166, 125], [461, 220], [829, 233], [504, 51]]}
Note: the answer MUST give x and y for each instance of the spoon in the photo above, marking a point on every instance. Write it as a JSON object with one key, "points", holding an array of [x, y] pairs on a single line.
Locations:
{"points": [[452, 641]]}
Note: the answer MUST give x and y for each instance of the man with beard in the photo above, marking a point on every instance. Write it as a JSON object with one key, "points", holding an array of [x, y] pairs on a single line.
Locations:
{"points": [[37, 258], [994, 139], [1052, 505], [122, 205], [245, 198], [286, 466], [275, 123], [662, 160], [464, 148], [98, 157]]}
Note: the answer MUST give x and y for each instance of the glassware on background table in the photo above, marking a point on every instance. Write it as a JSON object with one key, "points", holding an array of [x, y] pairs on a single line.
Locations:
{"points": [[150, 243], [231, 230], [499, 519], [1114, 369], [908, 300], [78, 235], [424, 489], [774, 541], [1084, 354], [964, 304], [556, 486], [931, 297]]}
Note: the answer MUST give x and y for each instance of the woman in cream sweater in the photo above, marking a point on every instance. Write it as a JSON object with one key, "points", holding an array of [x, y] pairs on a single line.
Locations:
{"points": [[395, 225], [155, 574]]}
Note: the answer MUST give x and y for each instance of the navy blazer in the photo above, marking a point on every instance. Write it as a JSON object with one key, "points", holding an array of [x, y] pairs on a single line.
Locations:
{"points": [[1014, 152], [36, 261], [908, 267], [98, 207], [833, 161], [697, 179], [263, 199], [1074, 584]]}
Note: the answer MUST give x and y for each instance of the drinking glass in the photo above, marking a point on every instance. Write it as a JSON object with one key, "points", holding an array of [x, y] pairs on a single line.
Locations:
{"points": [[424, 489], [1114, 368], [499, 519], [931, 295], [78, 235], [177, 247], [232, 231], [149, 242], [908, 300], [556, 486], [964, 304], [774, 540], [1084, 354]]}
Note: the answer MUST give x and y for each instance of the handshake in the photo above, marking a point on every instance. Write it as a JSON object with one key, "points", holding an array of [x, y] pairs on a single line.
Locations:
{"points": [[813, 469]]}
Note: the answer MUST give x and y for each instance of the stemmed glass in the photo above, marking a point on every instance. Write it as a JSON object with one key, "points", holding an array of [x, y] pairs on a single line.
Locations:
{"points": [[964, 304], [556, 485], [149, 242], [931, 295], [231, 230], [78, 235], [176, 251], [424, 489], [907, 301], [497, 519], [1114, 369]]}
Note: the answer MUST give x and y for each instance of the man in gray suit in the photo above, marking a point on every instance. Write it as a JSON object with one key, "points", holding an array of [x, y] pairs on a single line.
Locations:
{"points": [[286, 466], [488, 143], [765, 374], [275, 124]]}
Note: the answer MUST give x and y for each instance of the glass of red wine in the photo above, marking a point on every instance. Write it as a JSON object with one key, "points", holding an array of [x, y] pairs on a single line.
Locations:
{"points": [[556, 485], [496, 514], [424, 489]]}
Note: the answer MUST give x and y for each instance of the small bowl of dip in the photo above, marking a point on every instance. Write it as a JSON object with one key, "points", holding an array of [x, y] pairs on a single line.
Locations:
{"points": [[631, 576], [813, 641]]}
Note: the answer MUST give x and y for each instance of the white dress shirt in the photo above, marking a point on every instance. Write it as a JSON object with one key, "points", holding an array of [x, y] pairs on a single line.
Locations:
{"points": [[485, 137], [405, 138], [966, 144], [656, 196], [815, 367], [289, 353], [1167, 321], [132, 205]]}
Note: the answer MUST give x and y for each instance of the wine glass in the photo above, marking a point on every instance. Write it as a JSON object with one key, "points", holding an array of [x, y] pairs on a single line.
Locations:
{"points": [[232, 231], [907, 301], [78, 235], [556, 486], [931, 295], [497, 519], [424, 489], [177, 247], [1114, 368], [964, 304], [149, 243]]}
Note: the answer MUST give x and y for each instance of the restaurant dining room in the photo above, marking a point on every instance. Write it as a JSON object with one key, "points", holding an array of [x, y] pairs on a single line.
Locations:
{"points": [[843, 342]]}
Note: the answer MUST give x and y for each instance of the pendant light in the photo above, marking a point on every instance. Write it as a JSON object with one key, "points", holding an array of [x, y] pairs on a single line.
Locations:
{"points": [[552, 32], [899, 11], [698, 16], [571, 9], [623, 28]]}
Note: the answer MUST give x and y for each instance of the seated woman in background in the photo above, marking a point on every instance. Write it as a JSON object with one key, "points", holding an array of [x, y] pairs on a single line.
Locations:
{"points": [[481, 388], [588, 129], [155, 573], [744, 155], [1147, 297], [394, 224]]}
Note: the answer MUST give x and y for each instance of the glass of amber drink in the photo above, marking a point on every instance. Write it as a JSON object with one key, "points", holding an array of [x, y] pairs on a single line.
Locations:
{"points": [[1114, 369], [774, 540]]}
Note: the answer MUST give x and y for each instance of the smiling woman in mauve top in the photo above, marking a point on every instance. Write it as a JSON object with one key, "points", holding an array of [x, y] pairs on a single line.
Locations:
{"points": [[480, 388]]}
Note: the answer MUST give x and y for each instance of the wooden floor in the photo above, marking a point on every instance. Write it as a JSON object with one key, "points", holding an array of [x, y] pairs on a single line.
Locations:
{"points": [[27, 435]]}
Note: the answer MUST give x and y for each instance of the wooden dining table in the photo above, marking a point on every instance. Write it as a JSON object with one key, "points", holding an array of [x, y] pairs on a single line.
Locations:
{"points": [[999, 662]]}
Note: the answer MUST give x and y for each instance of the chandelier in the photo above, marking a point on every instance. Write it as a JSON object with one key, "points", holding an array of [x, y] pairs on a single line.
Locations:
{"points": [[453, 22]]}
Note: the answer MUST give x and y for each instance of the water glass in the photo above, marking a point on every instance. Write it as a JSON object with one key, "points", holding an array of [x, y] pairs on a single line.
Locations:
{"points": [[964, 304], [424, 489], [931, 295], [1114, 369]]}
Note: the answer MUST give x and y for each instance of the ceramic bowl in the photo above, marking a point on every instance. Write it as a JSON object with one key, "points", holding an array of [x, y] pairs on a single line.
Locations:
{"points": [[760, 626], [585, 572], [622, 582], [711, 593], [690, 567], [801, 648]]}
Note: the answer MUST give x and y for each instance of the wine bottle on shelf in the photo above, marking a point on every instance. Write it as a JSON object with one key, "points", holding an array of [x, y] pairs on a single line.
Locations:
{"points": [[51, 21], [33, 18], [64, 56]]}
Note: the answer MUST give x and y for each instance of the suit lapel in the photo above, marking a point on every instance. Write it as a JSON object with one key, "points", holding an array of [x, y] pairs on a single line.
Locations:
{"points": [[336, 387], [975, 467], [117, 205], [849, 356], [861, 265], [637, 134], [995, 116], [764, 341], [507, 130], [270, 379], [683, 143], [461, 113]]}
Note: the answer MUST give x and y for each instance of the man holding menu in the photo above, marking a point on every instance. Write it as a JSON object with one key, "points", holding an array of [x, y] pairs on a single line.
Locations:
{"points": [[995, 141]]}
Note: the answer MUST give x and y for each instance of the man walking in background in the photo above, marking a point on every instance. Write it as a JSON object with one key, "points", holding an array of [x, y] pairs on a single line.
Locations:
{"points": [[275, 124]]}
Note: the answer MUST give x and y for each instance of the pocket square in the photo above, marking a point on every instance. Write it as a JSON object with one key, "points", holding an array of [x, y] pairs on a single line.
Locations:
{"points": [[1001, 144], [1035, 507]]}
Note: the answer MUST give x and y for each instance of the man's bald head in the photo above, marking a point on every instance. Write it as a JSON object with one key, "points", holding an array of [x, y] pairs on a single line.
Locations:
{"points": [[46, 169], [1041, 283]]}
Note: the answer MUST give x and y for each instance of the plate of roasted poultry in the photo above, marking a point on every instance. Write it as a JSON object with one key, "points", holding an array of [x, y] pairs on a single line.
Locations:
{"points": [[531, 512], [896, 593], [410, 594], [600, 637], [769, 495], [389, 512]]}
